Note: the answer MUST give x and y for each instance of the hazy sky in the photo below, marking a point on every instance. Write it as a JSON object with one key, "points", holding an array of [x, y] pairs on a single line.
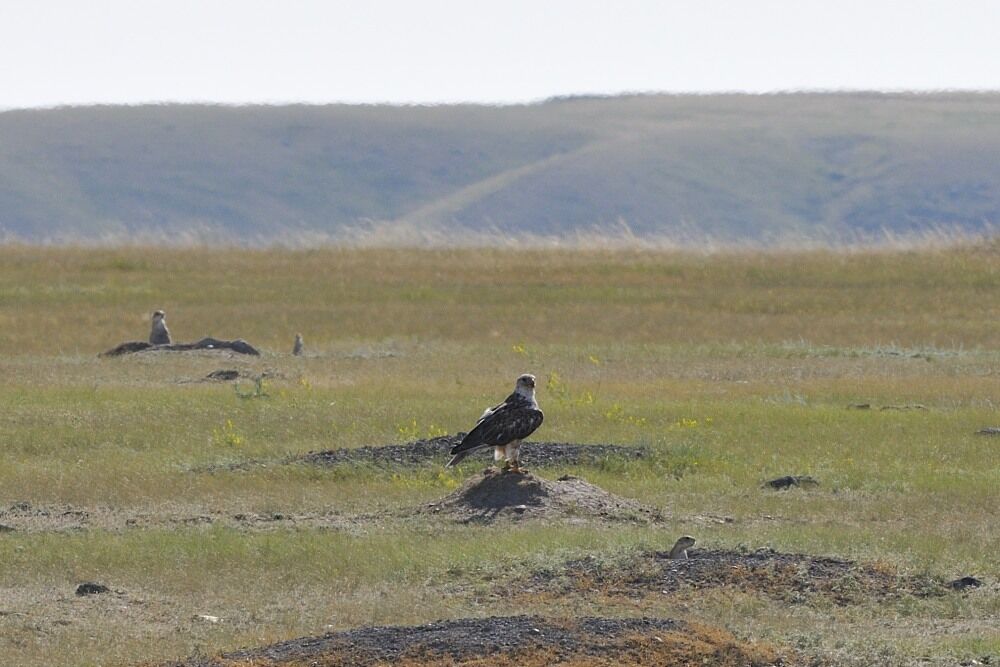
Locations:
{"points": [[127, 51]]}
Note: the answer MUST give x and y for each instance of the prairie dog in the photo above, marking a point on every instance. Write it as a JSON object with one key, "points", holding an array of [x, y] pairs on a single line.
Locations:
{"points": [[159, 333], [681, 547]]}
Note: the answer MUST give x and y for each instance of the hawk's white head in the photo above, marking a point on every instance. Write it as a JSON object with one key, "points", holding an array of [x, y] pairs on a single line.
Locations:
{"points": [[525, 386], [159, 315]]}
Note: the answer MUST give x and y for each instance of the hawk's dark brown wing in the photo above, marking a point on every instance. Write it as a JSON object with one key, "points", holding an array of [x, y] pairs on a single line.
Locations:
{"points": [[514, 419]]}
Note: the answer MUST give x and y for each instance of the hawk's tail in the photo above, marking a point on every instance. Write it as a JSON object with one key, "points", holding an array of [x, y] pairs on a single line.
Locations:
{"points": [[471, 442], [456, 458]]}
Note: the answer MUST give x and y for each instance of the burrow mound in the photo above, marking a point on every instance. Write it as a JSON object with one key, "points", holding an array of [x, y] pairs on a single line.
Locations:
{"points": [[506, 641], [493, 495], [788, 577], [205, 344], [436, 450]]}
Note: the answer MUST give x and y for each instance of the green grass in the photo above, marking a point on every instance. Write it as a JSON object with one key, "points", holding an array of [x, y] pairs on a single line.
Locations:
{"points": [[732, 369]]}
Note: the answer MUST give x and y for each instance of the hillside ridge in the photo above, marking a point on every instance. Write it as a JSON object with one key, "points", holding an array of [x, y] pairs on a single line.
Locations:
{"points": [[761, 169]]}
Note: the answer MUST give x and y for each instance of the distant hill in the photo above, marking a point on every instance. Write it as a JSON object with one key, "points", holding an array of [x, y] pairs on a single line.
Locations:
{"points": [[733, 168]]}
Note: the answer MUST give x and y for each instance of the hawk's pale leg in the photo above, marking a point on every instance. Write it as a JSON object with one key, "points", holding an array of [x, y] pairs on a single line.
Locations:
{"points": [[513, 455], [500, 454]]}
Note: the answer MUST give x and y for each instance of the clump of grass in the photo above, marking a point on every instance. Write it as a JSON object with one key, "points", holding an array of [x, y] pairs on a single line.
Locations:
{"points": [[259, 389]]}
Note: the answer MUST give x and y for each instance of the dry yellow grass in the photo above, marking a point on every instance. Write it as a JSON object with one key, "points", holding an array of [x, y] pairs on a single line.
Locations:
{"points": [[75, 301]]}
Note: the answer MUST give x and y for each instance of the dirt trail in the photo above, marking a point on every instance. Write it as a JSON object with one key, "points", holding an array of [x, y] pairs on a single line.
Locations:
{"points": [[24, 517], [442, 209], [486, 497]]}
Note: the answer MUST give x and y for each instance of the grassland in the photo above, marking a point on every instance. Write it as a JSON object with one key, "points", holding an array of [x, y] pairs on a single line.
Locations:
{"points": [[731, 368]]}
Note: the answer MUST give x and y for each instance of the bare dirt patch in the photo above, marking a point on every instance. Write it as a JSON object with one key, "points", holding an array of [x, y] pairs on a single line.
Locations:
{"points": [[492, 495], [525, 641], [435, 450], [787, 577]]}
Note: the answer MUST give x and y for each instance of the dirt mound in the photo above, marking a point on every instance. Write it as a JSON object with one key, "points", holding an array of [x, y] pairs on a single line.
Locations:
{"points": [[436, 450], [411, 453], [788, 577], [206, 344], [494, 495], [525, 641]]}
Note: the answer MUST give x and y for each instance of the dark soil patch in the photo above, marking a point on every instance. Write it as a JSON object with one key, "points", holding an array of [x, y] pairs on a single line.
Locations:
{"points": [[788, 577], [223, 375], [91, 588], [436, 450], [494, 495], [788, 481], [868, 406], [525, 641], [962, 583]]}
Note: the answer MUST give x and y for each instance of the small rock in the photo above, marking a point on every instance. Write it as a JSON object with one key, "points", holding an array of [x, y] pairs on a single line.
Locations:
{"points": [[989, 430], [859, 406], [91, 588], [6, 529], [207, 618], [223, 375], [962, 583], [520, 509]]}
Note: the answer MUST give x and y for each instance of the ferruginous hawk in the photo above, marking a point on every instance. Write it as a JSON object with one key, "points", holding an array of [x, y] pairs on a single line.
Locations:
{"points": [[504, 426]]}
